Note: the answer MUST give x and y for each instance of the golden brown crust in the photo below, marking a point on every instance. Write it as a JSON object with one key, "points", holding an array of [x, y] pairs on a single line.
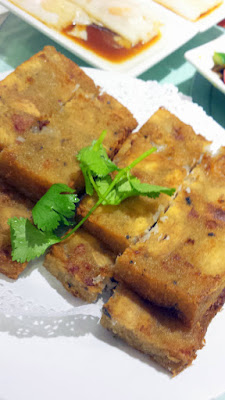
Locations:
{"points": [[179, 148], [155, 331], [37, 89], [181, 264], [11, 205], [11, 269], [44, 151], [180, 142], [82, 264]]}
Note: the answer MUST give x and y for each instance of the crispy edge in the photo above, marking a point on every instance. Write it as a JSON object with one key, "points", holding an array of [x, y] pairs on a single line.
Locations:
{"points": [[175, 360], [11, 269], [55, 263]]}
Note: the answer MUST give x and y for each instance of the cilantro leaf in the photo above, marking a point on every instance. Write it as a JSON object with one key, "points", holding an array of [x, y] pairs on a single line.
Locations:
{"points": [[88, 184], [102, 185], [97, 162], [27, 241], [94, 161], [128, 186], [145, 189], [55, 207]]}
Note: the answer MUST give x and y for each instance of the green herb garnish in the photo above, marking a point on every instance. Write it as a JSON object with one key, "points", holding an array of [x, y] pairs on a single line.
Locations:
{"points": [[94, 162], [219, 59], [57, 206], [28, 242]]}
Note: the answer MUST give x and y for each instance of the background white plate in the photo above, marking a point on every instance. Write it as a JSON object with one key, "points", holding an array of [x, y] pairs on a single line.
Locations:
{"points": [[175, 32], [202, 59], [3, 10], [52, 346], [211, 19]]}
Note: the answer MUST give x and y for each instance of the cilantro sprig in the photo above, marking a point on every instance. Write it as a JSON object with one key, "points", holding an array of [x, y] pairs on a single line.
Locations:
{"points": [[94, 162], [29, 242], [57, 207]]}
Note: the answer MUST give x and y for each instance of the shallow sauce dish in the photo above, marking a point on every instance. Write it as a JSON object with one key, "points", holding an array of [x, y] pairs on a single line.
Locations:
{"points": [[202, 59]]}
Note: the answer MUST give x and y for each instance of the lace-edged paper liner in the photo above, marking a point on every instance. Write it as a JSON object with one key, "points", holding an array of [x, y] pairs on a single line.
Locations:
{"points": [[37, 297]]}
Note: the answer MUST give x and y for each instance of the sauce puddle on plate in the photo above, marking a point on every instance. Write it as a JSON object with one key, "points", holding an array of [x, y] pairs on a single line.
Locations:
{"points": [[103, 42]]}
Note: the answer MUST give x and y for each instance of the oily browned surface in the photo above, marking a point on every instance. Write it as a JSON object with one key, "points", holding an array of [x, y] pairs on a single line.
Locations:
{"points": [[182, 264], [13, 124], [46, 153], [154, 330], [11, 205], [37, 89], [179, 148], [178, 140], [82, 264]]}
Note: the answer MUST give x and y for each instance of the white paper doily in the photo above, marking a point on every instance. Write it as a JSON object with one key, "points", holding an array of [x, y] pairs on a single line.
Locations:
{"points": [[38, 294]]}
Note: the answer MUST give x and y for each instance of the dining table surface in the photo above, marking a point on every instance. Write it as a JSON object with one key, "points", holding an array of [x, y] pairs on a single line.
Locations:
{"points": [[19, 41]]}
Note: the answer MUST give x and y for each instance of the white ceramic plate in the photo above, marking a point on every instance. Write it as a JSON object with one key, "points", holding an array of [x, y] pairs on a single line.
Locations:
{"points": [[175, 32], [211, 19], [202, 59], [52, 346], [3, 10]]}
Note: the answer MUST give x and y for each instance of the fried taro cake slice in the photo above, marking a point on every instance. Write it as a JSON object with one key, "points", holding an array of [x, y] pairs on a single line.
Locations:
{"points": [[37, 89], [11, 205], [179, 148], [14, 124], [182, 265], [82, 264], [154, 330], [48, 155]]}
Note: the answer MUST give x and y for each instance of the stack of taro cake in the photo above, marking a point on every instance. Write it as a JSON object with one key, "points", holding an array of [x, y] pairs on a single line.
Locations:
{"points": [[165, 253], [177, 268], [170, 264]]}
